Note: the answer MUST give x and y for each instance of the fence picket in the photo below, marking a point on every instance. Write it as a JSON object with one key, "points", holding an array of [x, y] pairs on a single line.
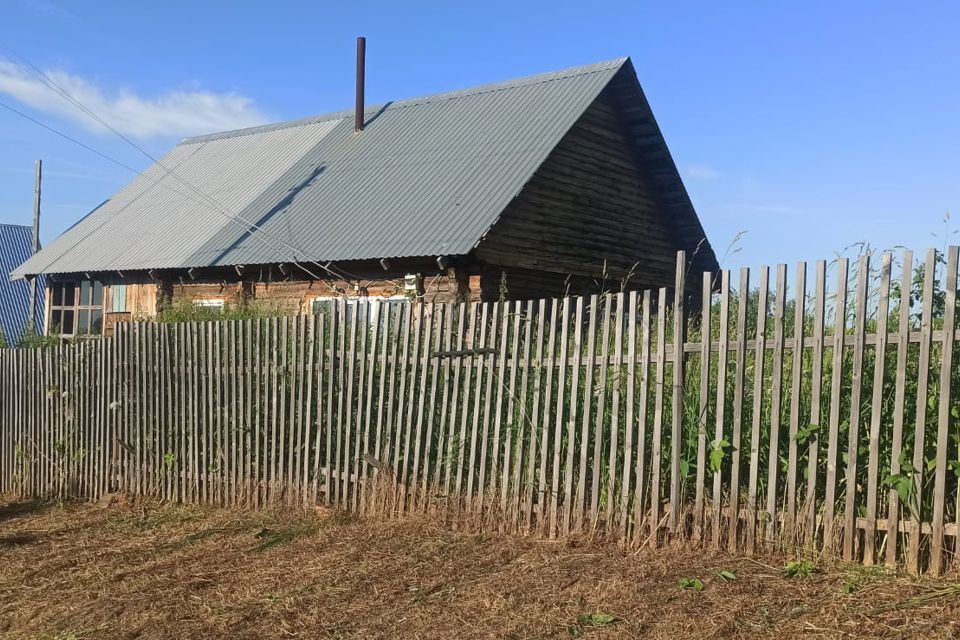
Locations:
{"points": [[234, 396], [388, 452], [836, 382], [306, 407], [301, 375], [429, 321], [876, 407], [320, 323], [703, 417], [938, 543], [558, 428], [738, 388], [590, 358], [816, 384], [760, 357], [511, 440], [617, 359], [435, 429], [502, 393], [462, 438], [551, 360], [534, 420], [920, 424], [260, 443], [477, 406], [353, 311], [796, 386], [482, 489], [601, 394], [361, 356], [853, 443], [899, 402], [656, 449], [676, 409], [452, 439], [524, 420], [628, 427], [720, 414], [776, 403]]}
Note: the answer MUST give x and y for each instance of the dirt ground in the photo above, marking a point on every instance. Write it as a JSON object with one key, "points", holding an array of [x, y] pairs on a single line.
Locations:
{"points": [[160, 571]]}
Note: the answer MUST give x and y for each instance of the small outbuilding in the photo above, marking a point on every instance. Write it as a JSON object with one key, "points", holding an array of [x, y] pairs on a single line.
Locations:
{"points": [[16, 246], [536, 187]]}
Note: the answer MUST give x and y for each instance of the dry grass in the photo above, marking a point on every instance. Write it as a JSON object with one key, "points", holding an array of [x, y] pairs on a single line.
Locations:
{"points": [[159, 571]]}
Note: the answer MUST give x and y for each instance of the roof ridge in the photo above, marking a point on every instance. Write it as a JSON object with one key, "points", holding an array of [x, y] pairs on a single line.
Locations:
{"points": [[523, 81]]}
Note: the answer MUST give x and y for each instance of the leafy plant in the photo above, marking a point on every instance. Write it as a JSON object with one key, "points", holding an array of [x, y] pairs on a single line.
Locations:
{"points": [[799, 569], [691, 584], [590, 620], [717, 454], [30, 339], [807, 434], [902, 482], [726, 575], [186, 311], [954, 465]]}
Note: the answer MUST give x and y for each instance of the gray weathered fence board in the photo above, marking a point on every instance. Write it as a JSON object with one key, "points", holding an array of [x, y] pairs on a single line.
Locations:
{"points": [[546, 416]]}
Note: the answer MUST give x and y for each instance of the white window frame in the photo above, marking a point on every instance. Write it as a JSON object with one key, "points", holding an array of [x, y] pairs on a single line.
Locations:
{"points": [[353, 300], [216, 303]]}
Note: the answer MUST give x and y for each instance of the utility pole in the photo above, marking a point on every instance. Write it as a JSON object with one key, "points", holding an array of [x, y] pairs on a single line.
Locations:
{"points": [[38, 176]]}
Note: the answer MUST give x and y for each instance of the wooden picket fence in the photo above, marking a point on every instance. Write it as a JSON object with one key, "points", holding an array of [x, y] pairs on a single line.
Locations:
{"points": [[798, 417]]}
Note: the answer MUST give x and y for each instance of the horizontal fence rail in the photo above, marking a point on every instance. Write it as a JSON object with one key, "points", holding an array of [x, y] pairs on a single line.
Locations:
{"points": [[816, 409]]}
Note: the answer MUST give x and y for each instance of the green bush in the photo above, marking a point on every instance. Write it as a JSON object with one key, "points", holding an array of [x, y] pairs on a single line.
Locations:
{"points": [[186, 311]]}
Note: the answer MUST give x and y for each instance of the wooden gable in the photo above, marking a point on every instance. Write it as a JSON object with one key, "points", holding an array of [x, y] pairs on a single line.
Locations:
{"points": [[589, 210]]}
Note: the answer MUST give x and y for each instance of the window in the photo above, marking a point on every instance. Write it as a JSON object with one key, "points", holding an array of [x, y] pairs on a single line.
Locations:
{"points": [[208, 304], [326, 305], [119, 292], [322, 305], [76, 308]]}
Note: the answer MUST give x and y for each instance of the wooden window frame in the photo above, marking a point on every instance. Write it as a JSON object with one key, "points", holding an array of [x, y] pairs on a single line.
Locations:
{"points": [[80, 301]]}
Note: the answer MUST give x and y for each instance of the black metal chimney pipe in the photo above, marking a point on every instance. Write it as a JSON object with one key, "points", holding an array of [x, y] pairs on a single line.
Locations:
{"points": [[361, 64]]}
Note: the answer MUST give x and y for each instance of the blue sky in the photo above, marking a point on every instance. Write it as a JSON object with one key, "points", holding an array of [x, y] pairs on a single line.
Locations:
{"points": [[810, 126]]}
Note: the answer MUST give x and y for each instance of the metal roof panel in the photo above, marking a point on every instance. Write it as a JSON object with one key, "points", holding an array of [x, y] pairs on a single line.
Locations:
{"points": [[427, 176], [16, 245]]}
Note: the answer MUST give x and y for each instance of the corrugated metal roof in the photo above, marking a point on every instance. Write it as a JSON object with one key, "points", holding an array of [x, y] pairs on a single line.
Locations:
{"points": [[15, 247], [428, 176]]}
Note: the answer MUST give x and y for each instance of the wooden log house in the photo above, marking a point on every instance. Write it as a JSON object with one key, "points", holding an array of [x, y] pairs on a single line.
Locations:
{"points": [[541, 186]]}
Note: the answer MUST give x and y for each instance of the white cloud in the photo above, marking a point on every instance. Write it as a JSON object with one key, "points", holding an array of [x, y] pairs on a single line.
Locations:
{"points": [[702, 172], [175, 113]]}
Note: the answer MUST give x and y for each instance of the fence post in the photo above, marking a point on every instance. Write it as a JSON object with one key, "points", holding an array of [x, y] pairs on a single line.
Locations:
{"points": [[679, 335], [916, 531], [937, 542]]}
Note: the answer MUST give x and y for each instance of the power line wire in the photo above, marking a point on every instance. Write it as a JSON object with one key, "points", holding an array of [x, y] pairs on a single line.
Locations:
{"points": [[247, 226], [63, 135], [50, 83]]}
